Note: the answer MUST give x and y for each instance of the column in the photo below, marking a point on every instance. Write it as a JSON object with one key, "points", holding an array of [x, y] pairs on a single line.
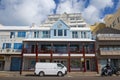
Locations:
{"points": [[84, 61], [51, 53], [69, 57], [36, 52]]}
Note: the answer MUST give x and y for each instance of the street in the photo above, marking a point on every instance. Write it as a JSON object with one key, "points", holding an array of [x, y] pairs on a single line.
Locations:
{"points": [[60, 78]]}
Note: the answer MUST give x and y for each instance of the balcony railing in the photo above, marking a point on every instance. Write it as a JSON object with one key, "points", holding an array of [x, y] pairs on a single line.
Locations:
{"points": [[110, 52], [33, 51]]}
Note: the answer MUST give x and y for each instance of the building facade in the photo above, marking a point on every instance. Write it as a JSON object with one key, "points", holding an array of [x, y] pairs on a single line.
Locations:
{"points": [[63, 38], [113, 20], [108, 44]]}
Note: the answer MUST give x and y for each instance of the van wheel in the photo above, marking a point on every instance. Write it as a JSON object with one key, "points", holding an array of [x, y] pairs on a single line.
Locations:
{"points": [[41, 73], [60, 74]]}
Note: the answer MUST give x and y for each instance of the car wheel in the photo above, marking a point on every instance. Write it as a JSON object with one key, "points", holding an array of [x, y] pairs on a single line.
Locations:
{"points": [[41, 73], [60, 74]]}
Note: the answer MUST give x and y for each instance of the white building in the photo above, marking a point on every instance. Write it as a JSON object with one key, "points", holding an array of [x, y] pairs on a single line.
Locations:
{"points": [[64, 38]]}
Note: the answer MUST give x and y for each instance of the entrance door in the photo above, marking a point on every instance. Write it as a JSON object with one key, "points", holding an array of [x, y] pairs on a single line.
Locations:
{"points": [[87, 64], [1, 65], [15, 63]]}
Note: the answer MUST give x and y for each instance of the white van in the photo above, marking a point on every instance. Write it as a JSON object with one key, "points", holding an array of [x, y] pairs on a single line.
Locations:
{"points": [[42, 69]]}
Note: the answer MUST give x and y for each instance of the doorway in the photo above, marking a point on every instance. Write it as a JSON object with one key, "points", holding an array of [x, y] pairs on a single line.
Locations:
{"points": [[2, 65], [87, 64]]}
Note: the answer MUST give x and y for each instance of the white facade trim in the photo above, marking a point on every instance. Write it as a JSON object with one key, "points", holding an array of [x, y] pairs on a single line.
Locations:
{"points": [[57, 39], [76, 54], [43, 54], [29, 54], [60, 54], [89, 54]]}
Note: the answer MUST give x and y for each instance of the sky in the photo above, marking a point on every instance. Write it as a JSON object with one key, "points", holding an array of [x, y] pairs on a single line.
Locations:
{"points": [[26, 12]]}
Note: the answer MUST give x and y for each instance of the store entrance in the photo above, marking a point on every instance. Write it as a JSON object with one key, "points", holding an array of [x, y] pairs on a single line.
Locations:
{"points": [[2, 65]]}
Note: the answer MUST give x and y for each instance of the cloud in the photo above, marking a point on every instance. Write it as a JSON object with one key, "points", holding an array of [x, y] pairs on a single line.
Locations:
{"points": [[70, 6], [118, 6], [25, 12], [93, 12]]}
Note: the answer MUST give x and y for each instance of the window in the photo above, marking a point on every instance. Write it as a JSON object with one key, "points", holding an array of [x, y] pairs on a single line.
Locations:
{"points": [[60, 33], [12, 34], [60, 65], [17, 45], [73, 25], [65, 32], [46, 34], [54, 32], [85, 36], [82, 34], [118, 19], [74, 34], [6, 45], [114, 23], [21, 34], [81, 25], [72, 18], [36, 34]]}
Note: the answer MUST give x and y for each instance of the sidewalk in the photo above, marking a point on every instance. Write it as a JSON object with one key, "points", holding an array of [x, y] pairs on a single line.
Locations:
{"points": [[31, 73]]}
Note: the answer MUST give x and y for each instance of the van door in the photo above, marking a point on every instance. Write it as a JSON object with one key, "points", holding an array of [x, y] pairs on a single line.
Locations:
{"points": [[52, 70]]}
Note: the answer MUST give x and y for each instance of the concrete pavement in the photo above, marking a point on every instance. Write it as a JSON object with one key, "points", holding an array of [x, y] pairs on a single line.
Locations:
{"points": [[31, 73]]}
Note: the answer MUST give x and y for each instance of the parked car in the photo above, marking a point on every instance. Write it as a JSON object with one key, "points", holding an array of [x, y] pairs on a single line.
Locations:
{"points": [[42, 69]]}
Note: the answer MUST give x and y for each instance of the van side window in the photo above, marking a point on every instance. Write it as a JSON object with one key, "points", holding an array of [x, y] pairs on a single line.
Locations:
{"points": [[59, 65]]}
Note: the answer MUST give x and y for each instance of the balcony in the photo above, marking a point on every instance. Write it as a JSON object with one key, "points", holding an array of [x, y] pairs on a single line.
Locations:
{"points": [[110, 52]]}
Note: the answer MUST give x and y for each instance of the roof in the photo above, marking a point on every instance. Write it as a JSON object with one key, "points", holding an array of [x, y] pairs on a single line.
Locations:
{"points": [[108, 30]]}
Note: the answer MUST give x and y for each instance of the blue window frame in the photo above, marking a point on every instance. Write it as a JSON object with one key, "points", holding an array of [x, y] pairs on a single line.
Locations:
{"points": [[21, 34], [74, 34], [65, 32], [6, 45], [54, 32], [12, 34], [60, 32], [46, 34], [17, 45]]}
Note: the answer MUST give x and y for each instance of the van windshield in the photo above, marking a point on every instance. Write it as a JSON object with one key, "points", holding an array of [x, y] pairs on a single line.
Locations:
{"points": [[60, 65]]}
